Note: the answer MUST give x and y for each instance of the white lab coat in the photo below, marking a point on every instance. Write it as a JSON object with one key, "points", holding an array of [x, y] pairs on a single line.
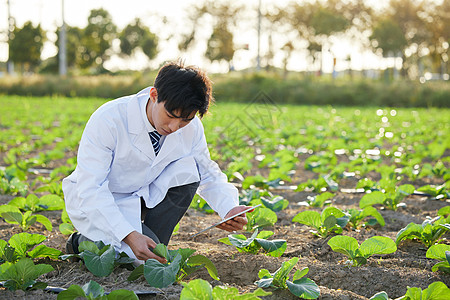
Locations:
{"points": [[117, 166]]}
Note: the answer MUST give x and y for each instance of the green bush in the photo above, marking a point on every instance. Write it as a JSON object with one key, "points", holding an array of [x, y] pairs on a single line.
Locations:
{"points": [[246, 87]]}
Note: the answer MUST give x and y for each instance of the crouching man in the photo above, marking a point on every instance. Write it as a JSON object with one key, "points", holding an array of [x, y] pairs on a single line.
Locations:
{"points": [[141, 159]]}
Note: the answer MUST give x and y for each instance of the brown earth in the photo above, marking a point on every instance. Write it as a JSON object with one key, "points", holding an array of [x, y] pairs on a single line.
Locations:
{"points": [[391, 273]]}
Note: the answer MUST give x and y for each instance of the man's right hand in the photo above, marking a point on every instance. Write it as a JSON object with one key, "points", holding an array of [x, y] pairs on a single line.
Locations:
{"points": [[141, 244]]}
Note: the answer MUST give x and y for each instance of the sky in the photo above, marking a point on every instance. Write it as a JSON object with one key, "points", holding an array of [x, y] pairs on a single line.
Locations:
{"points": [[49, 14]]}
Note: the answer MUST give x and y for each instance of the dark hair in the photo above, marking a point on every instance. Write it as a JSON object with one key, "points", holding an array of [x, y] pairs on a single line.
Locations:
{"points": [[185, 89]]}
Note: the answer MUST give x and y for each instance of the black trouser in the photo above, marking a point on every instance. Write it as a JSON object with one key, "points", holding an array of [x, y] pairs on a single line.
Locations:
{"points": [[158, 222]]}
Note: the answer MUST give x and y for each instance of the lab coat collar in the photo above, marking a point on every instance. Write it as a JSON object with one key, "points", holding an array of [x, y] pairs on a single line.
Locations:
{"points": [[137, 128]]}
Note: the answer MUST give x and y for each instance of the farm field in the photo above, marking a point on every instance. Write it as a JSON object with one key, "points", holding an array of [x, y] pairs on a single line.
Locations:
{"points": [[389, 166]]}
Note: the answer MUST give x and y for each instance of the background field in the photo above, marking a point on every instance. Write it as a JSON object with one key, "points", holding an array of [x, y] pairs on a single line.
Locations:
{"points": [[268, 148]]}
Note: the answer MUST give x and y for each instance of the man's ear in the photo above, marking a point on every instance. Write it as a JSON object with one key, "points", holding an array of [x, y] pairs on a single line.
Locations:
{"points": [[153, 95]]}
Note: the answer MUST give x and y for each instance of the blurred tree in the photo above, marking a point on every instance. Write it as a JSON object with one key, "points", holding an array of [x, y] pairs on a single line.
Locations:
{"points": [[317, 21], [438, 24], [26, 46], [220, 46], [408, 14], [73, 51], [97, 39], [138, 36], [388, 37]]}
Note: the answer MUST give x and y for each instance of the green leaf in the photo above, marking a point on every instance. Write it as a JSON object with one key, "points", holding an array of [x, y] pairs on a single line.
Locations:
{"points": [[18, 202], [329, 222], [380, 296], [410, 231], [372, 211], [240, 241], [73, 292], [438, 252], [300, 273], [414, 293], [122, 294], [44, 251], [51, 202], [309, 218], [406, 189], [372, 199], [280, 276], [346, 245], [24, 241], [441, 266], [136, 273], [11, 214], [93, 289], [161, 250], [227, 293], [198, 260], [264, 273], [274, 248], [89, 246], [436, 291], [197, 289], [23, 272], [7, 253], [225, 240], [161, 275], [100, 265], [304, 288], [44, 221], [276, 204], [66, 228], [264, 234], [331, 211], [261, 217], [264, 282], [377, 245]]}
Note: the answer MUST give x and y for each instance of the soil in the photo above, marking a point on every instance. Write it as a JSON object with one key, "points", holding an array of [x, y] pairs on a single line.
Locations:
{"points": [[392, 273]]}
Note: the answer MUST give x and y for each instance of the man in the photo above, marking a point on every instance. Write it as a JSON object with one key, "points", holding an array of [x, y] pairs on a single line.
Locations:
{"points": [[141, 160]]}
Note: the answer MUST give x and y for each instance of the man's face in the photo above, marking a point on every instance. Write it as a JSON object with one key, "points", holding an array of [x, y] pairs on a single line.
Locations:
{"points": [[166, 122]]}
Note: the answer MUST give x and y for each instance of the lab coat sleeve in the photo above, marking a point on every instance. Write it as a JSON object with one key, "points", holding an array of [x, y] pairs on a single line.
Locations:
{"points": [[214, 187], [96, 202]]}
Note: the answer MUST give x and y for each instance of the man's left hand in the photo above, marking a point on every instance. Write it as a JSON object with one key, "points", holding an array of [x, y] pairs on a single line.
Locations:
{"points": [[237, 223]]}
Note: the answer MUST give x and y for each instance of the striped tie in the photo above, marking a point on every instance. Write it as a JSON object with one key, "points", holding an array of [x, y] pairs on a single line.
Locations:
{"points": [[155, 137]]}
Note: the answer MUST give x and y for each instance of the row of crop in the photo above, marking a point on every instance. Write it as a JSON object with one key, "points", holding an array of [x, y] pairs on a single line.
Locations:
{"points": [[101, 259]]}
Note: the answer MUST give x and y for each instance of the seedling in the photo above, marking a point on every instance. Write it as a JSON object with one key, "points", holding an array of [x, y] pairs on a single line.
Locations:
{"points": [[20, 245], [94, 291], [436, 290], [428, 233], [100, 259], [391, 198], [261, 217], [201, 289], [22, 275], [13, 215], [320, 200], [299, 286], [254, 243], [180, 263], [442, 253], [349, 246], [357, 216], [66, 227], [34, 204], [331, 220], [318, 185], [438, 192]]}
